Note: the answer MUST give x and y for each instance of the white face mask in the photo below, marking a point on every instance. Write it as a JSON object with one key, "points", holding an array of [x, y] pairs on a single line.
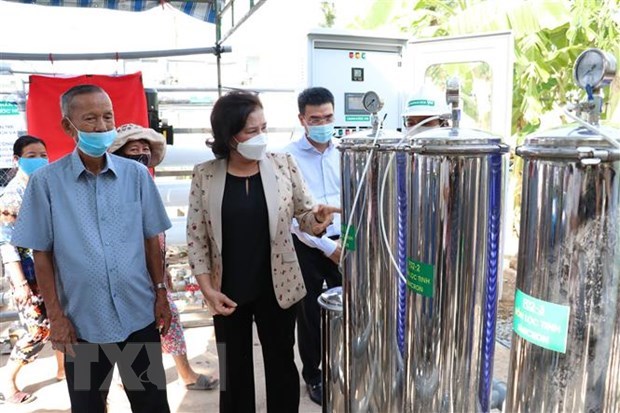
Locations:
{"points": [[254, 148]]}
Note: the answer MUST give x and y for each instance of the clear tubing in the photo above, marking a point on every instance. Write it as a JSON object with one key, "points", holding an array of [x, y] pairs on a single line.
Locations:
{"points": [[593, 128], [359, 189]]}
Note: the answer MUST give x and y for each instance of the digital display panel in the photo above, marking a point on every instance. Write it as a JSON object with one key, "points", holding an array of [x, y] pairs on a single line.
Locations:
{"points": [[357, 74], [353, 104]]}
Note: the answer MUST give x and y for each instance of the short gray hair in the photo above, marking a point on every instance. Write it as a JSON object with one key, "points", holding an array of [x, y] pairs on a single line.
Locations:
{"points": [[67, 98]]}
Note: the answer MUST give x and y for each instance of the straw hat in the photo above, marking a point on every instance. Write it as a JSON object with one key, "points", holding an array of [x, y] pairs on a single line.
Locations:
{"points": [[130, 132]]}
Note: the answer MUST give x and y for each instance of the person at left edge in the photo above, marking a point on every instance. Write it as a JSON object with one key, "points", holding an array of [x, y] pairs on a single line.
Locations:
{"points": [[92, 220], [30, 154]]}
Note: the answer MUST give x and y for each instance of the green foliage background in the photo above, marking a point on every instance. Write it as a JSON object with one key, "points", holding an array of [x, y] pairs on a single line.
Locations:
{"points": [[548, 36]]}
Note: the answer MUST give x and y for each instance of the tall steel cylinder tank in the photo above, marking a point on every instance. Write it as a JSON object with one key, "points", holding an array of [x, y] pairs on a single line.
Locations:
{"points": [[455, 186], [372, 358], [565, 354]]}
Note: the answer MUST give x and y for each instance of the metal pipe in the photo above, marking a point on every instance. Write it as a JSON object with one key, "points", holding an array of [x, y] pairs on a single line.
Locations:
{"points": [[113, 55]]}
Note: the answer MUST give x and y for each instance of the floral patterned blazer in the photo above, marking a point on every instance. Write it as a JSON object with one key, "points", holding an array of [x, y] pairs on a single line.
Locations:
{"points": [[286, 196]]}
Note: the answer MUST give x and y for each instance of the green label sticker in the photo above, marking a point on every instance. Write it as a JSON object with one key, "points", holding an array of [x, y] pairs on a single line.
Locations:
{"points": [[348, 240], [358, 118], [540, 322], [420, 102], [420, 277], [9, 108]]}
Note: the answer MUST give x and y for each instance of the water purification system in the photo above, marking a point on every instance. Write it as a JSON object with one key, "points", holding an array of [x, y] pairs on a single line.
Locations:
{"points": [[421, 232], [372, 358], [454, 204], [565, 354]]}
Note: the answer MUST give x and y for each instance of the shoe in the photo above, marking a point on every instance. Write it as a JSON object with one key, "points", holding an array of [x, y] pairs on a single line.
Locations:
{"points": [[315, 391], [20, 397], [203, 383]]}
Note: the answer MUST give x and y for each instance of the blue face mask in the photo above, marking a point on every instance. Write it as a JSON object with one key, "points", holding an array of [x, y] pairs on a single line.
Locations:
{"points": [[29, 165], [321, 133], [95, 144]]}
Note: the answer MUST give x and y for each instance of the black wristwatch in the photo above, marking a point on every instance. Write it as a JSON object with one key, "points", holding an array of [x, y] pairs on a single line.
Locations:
{"points": [[160, 286]]}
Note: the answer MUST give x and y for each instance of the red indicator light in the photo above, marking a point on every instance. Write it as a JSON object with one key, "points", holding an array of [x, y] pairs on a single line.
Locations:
{"points": [[351, 55]]}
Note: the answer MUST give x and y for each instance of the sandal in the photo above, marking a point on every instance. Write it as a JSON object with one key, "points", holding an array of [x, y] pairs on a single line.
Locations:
{"points": [[203, 383], [21, 397]]}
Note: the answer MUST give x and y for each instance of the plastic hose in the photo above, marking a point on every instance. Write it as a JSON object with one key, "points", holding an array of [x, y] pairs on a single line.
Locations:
{"points": [[490, 306], [401, 264], [401, 169], [345, 236]]}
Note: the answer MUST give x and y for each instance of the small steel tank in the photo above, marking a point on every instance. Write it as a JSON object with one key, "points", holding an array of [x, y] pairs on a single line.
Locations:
{"points": [[372, 359], [332, 342], [565, 354], [454, 201]]}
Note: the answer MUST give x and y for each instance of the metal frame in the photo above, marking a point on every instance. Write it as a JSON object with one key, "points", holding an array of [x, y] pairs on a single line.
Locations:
{"points": [[222, 7]]}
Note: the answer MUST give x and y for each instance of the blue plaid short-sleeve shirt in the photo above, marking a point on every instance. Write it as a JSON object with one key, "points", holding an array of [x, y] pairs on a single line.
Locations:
{"points": [[96, 225]]}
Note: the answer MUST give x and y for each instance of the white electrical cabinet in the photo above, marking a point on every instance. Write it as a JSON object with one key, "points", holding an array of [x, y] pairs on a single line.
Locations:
{"points": [[350, 65]]}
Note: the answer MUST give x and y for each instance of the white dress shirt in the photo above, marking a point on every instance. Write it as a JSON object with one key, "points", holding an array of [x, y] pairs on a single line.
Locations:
{"points": [[321, 171]]}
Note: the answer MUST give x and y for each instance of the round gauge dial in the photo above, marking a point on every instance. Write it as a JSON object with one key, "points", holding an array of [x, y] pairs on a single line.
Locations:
{"points": [[594, 68], [372, 103]]}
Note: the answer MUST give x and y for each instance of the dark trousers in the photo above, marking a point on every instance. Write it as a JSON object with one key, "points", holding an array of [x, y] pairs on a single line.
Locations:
{"points": [[316, 268], [140, 365], [275, 328]]}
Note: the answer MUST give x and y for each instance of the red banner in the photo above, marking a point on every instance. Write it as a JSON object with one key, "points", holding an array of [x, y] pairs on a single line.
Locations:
{"points": [[43, 106]]}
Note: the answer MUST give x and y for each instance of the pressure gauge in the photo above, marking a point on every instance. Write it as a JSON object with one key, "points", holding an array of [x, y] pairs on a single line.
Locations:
{"points": [[372, 103], [594, 68]]}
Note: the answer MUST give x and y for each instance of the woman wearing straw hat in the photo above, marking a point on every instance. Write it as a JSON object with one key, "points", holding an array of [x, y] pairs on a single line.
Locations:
{"points": [[148, 147]]}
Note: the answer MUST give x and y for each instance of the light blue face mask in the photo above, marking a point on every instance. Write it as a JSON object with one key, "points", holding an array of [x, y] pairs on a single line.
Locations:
{"points": [[321, 133], [29, 165], [95, 144]]}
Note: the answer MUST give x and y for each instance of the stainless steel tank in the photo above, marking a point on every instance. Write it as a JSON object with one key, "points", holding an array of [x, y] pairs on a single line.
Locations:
{"points": [[332, 343], [565, 354], [373, 363], [453, 256]]}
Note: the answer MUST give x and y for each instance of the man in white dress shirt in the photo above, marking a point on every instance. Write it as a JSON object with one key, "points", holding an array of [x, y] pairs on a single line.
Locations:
{"points": [[319, 162]]}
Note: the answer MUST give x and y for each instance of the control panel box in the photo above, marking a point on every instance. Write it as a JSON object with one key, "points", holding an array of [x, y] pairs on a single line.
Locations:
{"points": [[350, 64]]}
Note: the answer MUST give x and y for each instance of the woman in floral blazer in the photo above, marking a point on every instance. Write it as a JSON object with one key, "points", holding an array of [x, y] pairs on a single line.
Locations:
{"points": [[241, 252]]}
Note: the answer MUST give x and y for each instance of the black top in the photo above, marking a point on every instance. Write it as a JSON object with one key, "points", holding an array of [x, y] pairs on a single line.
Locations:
{"points": [[246, 244]]}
